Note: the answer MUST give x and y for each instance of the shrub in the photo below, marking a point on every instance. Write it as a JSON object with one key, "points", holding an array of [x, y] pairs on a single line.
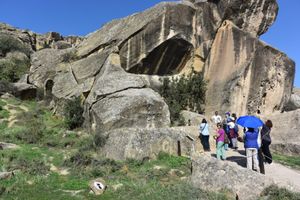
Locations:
{"points": [[9, 43], [185, 92], [34, 127], [100, 139], [276, 193], [12, 69], [73, 113], [79, 159], [69, 57]]}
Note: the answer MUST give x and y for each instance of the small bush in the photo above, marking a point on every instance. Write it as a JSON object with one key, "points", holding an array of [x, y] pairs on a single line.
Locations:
{"points": [[33, 167], [70, 57], [73, 112], [100, 139], [79, 159], [275, 193], [34, 127], [185, 92], [9, 43], [12, 69]]}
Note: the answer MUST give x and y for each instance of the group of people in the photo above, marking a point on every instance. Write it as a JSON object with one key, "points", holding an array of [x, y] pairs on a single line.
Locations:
{"points": [[256, 140]]}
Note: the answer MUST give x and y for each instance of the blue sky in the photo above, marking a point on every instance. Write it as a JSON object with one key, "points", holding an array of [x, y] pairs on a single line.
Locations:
{"points": [[80, 17]]}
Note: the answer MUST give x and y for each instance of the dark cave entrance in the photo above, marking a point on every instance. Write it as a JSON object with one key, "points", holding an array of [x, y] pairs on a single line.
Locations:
{"points": [[169, 58]]}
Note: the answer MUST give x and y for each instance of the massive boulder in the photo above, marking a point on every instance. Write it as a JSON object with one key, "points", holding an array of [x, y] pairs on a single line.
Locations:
{"points": [[139, 144], [214, 175], [114, 68], [285, 132], [246, 75], [294, 102], [118, 99]]}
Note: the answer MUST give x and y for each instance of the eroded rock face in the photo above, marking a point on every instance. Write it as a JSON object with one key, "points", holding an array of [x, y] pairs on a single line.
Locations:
{"points": [[246, 75], [294, 102], [252, 16], [146, 143], [211, 174], [285, 132], [115, 67]]}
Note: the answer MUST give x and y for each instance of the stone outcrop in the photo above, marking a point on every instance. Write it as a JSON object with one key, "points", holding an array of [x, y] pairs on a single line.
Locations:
{"points": [[294, 102], [245, 74], [213, 175], [37, 42], [285, 132], [146, 143], [24, 91], [192, 118], [114, 68]]}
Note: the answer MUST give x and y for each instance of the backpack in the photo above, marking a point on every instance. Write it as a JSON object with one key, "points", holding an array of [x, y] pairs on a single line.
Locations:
{"points": [[226, 139]]}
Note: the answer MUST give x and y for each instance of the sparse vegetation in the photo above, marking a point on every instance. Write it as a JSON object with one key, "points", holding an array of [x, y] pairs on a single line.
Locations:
{"points": [[275, 193], [73, 113], [70, 57], [9, 43], [292, 161], [12, 69], [37, 164], [185, 92]]}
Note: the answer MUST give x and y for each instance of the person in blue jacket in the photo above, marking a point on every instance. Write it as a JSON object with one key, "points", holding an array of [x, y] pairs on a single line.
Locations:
{"points": [[252, 142]]}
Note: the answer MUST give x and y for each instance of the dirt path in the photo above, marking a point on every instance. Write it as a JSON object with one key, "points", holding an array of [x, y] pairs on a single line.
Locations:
{"points": [[282, 175], [13, 112]]}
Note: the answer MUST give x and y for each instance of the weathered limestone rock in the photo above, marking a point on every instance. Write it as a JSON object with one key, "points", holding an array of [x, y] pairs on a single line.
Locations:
{"points": [[4, 145], [246, 75], [142, 108], [213, 175], [116, 65], [146, 143], [147, 40], [6, 175], [252, 16], [43, 65], [192, 118], [294, 102], [36, 42], [24, 91], [285, 132]]}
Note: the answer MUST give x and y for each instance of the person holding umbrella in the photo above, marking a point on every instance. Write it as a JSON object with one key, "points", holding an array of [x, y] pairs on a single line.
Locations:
{"points": [[252, 139]]}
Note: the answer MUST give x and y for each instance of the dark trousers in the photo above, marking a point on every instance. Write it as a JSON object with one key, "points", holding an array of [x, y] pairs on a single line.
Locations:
{"points": [[205, 142], [266, 151], [261, 161]]}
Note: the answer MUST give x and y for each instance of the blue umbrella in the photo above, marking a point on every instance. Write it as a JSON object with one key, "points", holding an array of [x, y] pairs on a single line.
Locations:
{"points": [[249, 121]]}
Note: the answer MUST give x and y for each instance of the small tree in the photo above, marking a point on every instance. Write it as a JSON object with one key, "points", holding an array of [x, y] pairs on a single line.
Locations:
{"points": [[185, 92], [73, 113]]}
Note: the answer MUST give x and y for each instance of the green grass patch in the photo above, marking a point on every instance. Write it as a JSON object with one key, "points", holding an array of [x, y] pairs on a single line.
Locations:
{"points": [[292, 161]]}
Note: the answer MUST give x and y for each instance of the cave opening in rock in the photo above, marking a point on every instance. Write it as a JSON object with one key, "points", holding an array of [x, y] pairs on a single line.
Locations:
{"points": [[169, 58], [48, 89]]}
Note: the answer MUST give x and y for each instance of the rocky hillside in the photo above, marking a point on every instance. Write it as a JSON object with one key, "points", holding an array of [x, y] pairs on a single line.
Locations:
{"points": [[220, 38], [114, 74], [115, 69]]}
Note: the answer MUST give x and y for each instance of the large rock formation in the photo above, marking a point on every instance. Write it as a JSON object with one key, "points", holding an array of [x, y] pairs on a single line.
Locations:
{"points": [[37, 41], [213, 175], [114, 68], [294, 102], [139, 144], [285, 133], [245, 74]]}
